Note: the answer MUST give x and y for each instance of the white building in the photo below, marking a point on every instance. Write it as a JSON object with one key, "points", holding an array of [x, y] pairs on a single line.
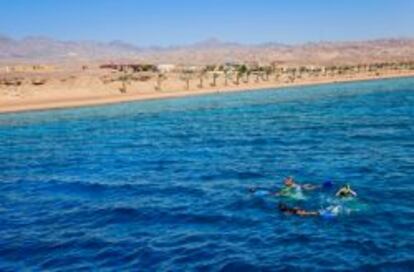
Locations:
{"points": [[165, 68]]}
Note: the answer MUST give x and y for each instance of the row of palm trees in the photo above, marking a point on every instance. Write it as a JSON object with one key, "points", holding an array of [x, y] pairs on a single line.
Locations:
{"points": [[237, 74], [243, 74], [231, 75]]}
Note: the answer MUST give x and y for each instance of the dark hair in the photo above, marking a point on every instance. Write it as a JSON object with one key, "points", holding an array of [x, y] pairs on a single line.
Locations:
{"points": [[283, 207]]}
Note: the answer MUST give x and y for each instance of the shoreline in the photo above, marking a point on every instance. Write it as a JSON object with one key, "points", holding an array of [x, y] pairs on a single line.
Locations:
{"points": [[76, 102]]}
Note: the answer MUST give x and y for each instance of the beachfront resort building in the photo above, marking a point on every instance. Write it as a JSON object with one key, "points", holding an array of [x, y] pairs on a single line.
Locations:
{"points": [[166, 68]]}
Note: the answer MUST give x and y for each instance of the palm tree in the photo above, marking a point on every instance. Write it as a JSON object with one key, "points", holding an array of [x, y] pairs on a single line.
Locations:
{"points": [[242, 69], [123, 89], [294, 72], [268, 71], [214, 77], [124, 79], [277, 76], [186, 76], [226, 77], [160, 78], [237, 81], [247, 77], [201, 77], [257, 77]]}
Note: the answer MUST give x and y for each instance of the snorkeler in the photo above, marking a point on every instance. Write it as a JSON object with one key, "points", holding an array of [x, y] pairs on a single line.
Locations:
{"points": [[290, 186], [346, 191], [296, 211]]}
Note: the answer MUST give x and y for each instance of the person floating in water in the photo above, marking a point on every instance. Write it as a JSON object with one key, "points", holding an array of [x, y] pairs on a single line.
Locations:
{"points": [[346, 191], [296, 211], [290, 186]]}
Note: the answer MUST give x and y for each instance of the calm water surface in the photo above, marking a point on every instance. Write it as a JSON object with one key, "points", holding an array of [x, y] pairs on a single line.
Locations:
{"points": [[163, 185]]}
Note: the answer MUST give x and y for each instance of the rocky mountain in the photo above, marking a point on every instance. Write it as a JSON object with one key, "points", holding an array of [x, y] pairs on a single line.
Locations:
{"points": [[213, 51], [208, 51], [43, 48]]}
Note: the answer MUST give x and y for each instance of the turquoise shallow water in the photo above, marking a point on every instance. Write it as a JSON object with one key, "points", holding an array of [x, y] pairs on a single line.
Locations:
{"points": [[163, 185]]}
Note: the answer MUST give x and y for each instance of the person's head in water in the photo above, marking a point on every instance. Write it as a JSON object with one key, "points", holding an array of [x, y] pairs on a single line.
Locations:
{"points": [[346, 191], [286, 209], [289, 181], [283, 207], [346, 187]]}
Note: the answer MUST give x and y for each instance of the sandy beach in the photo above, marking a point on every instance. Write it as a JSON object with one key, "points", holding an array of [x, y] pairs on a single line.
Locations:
{"points": [[89, 93]]}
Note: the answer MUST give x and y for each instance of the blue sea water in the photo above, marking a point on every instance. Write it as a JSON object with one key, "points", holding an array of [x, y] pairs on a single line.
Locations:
{"points": [[164, 185]]}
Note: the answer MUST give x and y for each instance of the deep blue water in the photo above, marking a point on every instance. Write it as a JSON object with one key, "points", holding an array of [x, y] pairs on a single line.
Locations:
{"points": [[163, 185]]}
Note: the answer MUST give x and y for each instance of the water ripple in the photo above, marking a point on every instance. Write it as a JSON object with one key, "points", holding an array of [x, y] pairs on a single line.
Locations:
{"points": [[164, 185]]}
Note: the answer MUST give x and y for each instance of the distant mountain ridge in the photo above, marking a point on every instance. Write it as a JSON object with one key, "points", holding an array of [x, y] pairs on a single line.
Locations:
{"points": [[47, 48], [207, 51]]}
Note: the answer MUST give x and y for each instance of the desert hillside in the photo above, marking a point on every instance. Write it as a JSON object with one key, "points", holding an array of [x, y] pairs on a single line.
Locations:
{"points": [[43, 73], [212, 51]]}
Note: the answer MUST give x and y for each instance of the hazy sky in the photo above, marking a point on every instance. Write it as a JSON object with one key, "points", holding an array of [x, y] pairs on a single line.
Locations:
{"points": [[165, 22]]}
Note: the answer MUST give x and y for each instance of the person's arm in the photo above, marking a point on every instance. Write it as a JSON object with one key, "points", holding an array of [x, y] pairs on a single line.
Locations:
{"points": [[309, 186], [314, 213], [307, 213], [353, 193]]}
